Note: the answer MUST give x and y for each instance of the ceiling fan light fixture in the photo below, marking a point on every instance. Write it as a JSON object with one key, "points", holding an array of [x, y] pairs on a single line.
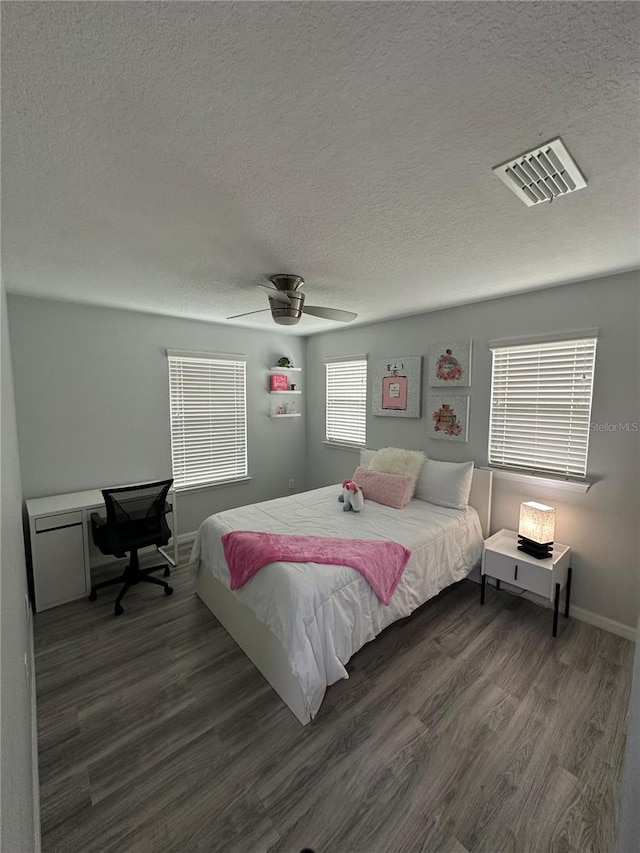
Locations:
{"points": [[284, 318], [287, 315]]}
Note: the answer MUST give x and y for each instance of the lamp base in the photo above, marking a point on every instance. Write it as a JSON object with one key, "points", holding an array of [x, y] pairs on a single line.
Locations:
{"points": [[539, 550]]}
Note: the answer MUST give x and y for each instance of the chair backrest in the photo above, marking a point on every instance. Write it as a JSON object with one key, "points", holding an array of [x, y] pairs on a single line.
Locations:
{"points": [[136, 514]]}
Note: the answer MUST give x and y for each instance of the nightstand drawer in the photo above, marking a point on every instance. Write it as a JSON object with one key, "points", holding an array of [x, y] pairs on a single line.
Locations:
{"points": [[504, 568]]}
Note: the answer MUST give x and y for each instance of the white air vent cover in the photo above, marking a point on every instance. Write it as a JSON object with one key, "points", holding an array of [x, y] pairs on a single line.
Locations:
{"points": [[542, 174]]}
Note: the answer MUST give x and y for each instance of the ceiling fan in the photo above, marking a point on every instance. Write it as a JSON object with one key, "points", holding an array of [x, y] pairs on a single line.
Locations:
{"points": [[286, 303]]}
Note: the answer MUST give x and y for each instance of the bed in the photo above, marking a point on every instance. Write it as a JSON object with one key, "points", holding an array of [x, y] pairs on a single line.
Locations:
{"points": [[299, 623]]}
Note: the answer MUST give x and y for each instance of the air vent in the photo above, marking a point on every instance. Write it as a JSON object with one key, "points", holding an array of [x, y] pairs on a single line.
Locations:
{"points": [[542, 174]]}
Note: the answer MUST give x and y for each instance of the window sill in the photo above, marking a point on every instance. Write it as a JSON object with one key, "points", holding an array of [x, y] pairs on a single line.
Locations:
{"points": [[219, 485], [344, 446], [540, 480]]}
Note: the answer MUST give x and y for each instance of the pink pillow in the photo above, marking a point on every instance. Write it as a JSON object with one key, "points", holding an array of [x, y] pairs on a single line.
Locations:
{"points": [[389, 489]]}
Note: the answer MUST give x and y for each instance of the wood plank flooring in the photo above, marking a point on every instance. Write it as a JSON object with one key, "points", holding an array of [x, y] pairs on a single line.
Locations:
{"points": [[463, 729]]}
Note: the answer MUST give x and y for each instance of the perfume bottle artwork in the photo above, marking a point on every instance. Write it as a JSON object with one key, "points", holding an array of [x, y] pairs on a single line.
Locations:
{"points": [[394, 388]]}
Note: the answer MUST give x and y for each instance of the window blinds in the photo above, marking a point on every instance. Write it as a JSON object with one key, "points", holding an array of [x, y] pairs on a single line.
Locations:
{"points": [[541, 406], [347, 400], [207, 395]]}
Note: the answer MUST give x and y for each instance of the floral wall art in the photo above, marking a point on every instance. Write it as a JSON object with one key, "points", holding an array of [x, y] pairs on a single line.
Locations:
{"points": [[450, 364], [397, 385], [448, 417]]}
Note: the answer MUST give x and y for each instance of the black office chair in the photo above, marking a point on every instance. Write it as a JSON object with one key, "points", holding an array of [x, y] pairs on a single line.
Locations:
{"points": [[136, 518]]}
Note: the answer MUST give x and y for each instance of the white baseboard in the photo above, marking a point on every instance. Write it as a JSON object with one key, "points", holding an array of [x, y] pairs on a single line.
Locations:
{"points": [[587, 616], [605, 623], [595, 619]]}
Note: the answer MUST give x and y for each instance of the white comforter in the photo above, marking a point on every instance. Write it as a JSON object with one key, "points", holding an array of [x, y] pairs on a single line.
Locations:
{"points": [[323, 614]]}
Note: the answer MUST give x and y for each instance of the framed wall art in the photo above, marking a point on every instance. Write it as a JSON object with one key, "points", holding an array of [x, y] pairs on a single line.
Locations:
{"points": [[397, 387], [279, 382], [448, 417], [450, 364]]}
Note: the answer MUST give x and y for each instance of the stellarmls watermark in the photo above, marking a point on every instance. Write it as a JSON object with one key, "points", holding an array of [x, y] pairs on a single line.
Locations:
{"points": [[627, 426]]}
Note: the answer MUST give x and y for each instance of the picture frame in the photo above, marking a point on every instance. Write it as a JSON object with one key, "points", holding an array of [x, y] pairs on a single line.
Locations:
{"points": [[448, 417], [279, 382], [397, 387], [450, 364]]}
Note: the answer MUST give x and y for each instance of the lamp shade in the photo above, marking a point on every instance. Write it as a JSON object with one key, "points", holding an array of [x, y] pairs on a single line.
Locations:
{"points": [[537, 522]]}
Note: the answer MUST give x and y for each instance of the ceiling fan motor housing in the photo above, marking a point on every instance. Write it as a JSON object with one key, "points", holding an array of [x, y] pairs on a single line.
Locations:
{"points": [[286, 281], [287, 315]]}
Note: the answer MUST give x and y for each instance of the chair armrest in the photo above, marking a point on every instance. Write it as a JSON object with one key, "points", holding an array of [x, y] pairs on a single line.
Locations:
{"points": [[97, 520]]}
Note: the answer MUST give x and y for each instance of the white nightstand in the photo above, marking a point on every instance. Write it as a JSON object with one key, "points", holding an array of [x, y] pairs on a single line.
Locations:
{"points": [[502, 560]]}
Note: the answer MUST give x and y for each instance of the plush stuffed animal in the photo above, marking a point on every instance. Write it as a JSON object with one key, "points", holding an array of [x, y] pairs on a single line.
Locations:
{"points": [[343, 497], [356, 497], [351, 496]]}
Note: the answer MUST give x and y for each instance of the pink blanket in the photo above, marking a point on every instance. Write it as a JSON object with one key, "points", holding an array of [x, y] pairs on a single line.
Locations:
{"points": [[381, 563]]}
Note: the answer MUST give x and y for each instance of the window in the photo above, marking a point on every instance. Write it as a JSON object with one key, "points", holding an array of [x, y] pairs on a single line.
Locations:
{"points": [[207, 395], [541, 405], [347, 400]]}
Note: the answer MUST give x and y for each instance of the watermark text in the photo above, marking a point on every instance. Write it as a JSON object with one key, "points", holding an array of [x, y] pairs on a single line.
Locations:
{"points": [[627, 426]]}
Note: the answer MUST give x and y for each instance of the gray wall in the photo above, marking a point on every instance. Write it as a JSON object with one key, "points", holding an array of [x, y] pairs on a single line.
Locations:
{"points": [[601, 525], [92, 409], [92, 401], [19, 770]]}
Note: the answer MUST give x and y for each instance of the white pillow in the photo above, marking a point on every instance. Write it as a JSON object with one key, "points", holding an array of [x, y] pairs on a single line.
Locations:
{"points": [[445, 483], [366, 456], [394, 460]]}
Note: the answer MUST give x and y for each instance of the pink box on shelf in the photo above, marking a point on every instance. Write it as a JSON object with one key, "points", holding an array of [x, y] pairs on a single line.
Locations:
{"points": [[279, 382]]}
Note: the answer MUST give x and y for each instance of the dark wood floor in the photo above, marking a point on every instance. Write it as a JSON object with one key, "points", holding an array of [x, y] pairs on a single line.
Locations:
{"points": [[463, 729]]}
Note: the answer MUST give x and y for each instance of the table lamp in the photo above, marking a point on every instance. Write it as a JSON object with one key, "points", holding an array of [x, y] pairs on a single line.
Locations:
{"points": [[536, 529]]}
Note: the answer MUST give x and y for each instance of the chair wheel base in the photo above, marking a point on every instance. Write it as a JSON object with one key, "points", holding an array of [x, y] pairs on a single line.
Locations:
{"points": [[168, 590], [166, 572], [118, 609], [93, 595]]}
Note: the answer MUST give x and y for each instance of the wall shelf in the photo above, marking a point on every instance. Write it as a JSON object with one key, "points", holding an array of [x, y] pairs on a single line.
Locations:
{"points": [[280, 408]]}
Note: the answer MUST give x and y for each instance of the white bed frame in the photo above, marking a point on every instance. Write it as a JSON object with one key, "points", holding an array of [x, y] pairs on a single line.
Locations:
{"points": [[262, 647]]}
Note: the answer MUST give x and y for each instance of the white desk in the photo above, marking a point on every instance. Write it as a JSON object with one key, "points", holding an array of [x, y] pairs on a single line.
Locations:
{"points": [[60, 535]]}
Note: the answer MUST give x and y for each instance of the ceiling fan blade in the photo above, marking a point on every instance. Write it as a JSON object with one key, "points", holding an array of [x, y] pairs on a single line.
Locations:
{"points": [[278, 295], [246, 313], [329, 313]]}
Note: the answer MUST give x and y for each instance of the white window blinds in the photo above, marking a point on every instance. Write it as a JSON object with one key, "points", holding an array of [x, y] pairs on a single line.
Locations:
{"points": [[347, 400], [207, 395], [541, 406]]}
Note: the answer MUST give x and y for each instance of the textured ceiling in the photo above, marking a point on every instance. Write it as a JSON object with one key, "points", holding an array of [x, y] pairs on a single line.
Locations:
{"points": [[168, 156]]}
